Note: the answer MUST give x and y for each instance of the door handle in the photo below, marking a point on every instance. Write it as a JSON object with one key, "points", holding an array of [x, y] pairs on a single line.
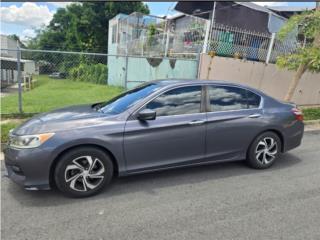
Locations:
{"points": [[257, 115], [197, 122]]}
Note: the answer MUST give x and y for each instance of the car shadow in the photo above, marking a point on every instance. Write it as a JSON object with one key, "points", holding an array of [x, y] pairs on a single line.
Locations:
{"points": [[148, 183]]}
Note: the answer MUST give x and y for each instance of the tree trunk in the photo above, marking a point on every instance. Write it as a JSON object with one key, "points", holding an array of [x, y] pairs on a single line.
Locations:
{"points": [[295, 81]]}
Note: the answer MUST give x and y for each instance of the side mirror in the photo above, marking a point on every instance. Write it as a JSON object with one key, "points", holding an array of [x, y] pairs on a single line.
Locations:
{"points": [[147, 114]]}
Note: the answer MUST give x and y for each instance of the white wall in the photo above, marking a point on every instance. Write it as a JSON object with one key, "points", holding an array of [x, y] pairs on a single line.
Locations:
{"points": [[7, 43]]}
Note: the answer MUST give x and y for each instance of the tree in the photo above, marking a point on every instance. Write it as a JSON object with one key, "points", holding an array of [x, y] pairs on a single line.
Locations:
{"points": [[83, 27], [306, 57]]}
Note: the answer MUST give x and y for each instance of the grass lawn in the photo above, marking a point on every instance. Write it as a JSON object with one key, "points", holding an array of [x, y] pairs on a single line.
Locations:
{"points": [[50, 94], [5, 128], [311, 113]]}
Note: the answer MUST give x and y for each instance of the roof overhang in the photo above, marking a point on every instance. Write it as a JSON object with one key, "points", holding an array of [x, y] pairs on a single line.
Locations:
{"points": [[250, 16]]}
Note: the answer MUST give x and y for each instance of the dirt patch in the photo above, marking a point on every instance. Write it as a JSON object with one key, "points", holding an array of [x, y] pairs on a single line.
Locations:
{"points": [[12, 121], [312, 125]]}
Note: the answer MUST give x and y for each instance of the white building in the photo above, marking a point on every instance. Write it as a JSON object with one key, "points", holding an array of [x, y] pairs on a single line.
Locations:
{"points": [[8, 60], [8, 43]]}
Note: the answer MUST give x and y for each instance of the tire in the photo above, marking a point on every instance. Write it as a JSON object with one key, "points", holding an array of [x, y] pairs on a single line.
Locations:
{"points": [[264, 150], [83, 172]]}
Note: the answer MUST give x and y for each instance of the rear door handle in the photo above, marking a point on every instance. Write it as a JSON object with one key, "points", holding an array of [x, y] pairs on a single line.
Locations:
{"points": [[257, 115], [197, 122]]}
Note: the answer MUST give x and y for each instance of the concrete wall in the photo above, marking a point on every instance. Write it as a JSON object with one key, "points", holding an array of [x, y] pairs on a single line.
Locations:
{"points": [[141, 70], [116, 71], [267, 78]]}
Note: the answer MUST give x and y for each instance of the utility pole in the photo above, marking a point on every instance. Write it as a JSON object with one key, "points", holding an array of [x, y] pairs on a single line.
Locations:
{"points": [[19, 77]]}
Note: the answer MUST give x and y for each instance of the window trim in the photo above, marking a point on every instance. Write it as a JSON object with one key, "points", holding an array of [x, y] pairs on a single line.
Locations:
{"points": [[226, 85], [203, 104]]}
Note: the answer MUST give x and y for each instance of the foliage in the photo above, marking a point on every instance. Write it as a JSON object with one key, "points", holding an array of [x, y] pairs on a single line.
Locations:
{"points": [[55, 93], [309, 56], [311, 113], [82, 27], [95, 73], [151, 33], [5, 128], [307, 25]]}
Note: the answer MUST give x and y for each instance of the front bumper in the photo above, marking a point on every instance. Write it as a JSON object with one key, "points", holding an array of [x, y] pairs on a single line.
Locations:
{"points": [[29, 168]]}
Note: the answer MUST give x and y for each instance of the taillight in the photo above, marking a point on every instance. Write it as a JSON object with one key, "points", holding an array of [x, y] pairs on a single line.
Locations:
{"points": [[297, 113]]}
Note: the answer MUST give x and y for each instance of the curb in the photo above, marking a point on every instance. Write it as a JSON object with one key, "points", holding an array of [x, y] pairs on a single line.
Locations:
{"points": [[311, 122], [312, 125]]}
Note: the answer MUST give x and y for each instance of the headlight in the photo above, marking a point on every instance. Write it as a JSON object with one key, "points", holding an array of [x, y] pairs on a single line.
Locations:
{"points": [[29, 141]]}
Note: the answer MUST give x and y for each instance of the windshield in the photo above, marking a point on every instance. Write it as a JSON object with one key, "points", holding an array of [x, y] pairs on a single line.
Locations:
{"points": [[127, 99]]}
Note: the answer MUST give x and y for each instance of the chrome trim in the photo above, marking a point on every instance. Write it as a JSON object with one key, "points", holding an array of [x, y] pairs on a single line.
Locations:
{"points": [[197, 122], [254, 115], [202, 85]]}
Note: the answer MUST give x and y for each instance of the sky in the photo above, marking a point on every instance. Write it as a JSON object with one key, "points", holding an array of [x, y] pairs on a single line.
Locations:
{"points": [[21, 18]]}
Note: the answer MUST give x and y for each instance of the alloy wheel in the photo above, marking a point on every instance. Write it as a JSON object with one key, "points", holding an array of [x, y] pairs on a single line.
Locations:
{"points": [[84, 173], [266, 150]]}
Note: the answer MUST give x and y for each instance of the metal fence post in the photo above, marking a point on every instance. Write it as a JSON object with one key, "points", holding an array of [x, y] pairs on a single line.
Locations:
{"points": [[126, 74], [206, 38], [167, 44], [273, 36], [19, 78], [198, 65]]}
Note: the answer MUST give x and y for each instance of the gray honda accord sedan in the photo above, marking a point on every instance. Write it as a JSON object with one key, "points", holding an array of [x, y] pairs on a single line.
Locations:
{"points": [[158, 125]]}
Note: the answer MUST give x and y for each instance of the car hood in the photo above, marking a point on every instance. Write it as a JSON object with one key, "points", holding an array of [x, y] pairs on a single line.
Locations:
{"points": [[64, 119]]}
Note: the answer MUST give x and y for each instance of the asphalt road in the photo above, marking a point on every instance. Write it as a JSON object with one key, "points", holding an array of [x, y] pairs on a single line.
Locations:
{"points": [[221, 201]]}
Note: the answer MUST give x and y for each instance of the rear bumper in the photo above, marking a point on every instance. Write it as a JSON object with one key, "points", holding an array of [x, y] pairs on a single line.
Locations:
{"points": [[294, 136], [28, 168]]}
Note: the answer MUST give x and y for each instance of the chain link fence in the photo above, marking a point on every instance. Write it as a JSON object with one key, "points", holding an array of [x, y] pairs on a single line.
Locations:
{"points": [[145, 35], [77, 66], [229, 41], [35, 81], [38, 80], [186, 36]]}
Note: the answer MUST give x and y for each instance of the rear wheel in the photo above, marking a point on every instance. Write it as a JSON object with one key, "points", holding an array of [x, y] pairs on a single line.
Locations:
{"points": [[83, 172], [264, 150]]}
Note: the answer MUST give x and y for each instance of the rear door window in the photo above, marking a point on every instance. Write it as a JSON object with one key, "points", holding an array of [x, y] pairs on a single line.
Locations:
{"points": [[253, 100], [225, 98]]}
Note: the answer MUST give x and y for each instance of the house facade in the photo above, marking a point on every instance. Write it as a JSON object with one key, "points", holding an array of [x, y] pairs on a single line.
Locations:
{"points": [[9, 63]]}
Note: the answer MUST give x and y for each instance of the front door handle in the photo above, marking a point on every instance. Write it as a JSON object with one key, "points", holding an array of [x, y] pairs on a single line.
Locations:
{"points": [[197, 122], [257, 115]]}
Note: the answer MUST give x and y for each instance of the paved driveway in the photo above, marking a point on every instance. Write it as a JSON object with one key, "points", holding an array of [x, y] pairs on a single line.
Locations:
{"points": [[222, 201]]}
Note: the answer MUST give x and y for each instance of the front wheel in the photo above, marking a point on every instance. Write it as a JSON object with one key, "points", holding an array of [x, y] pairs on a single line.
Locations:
{"points": [[83, 172], [264, 150]]}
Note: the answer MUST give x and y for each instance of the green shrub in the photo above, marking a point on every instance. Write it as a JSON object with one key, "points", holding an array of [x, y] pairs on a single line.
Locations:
{"points": [[94, 73], [311, 113]]}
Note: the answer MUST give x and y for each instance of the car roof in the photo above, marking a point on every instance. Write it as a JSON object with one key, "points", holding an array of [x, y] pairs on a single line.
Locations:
{"points": [[176, 81]]}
